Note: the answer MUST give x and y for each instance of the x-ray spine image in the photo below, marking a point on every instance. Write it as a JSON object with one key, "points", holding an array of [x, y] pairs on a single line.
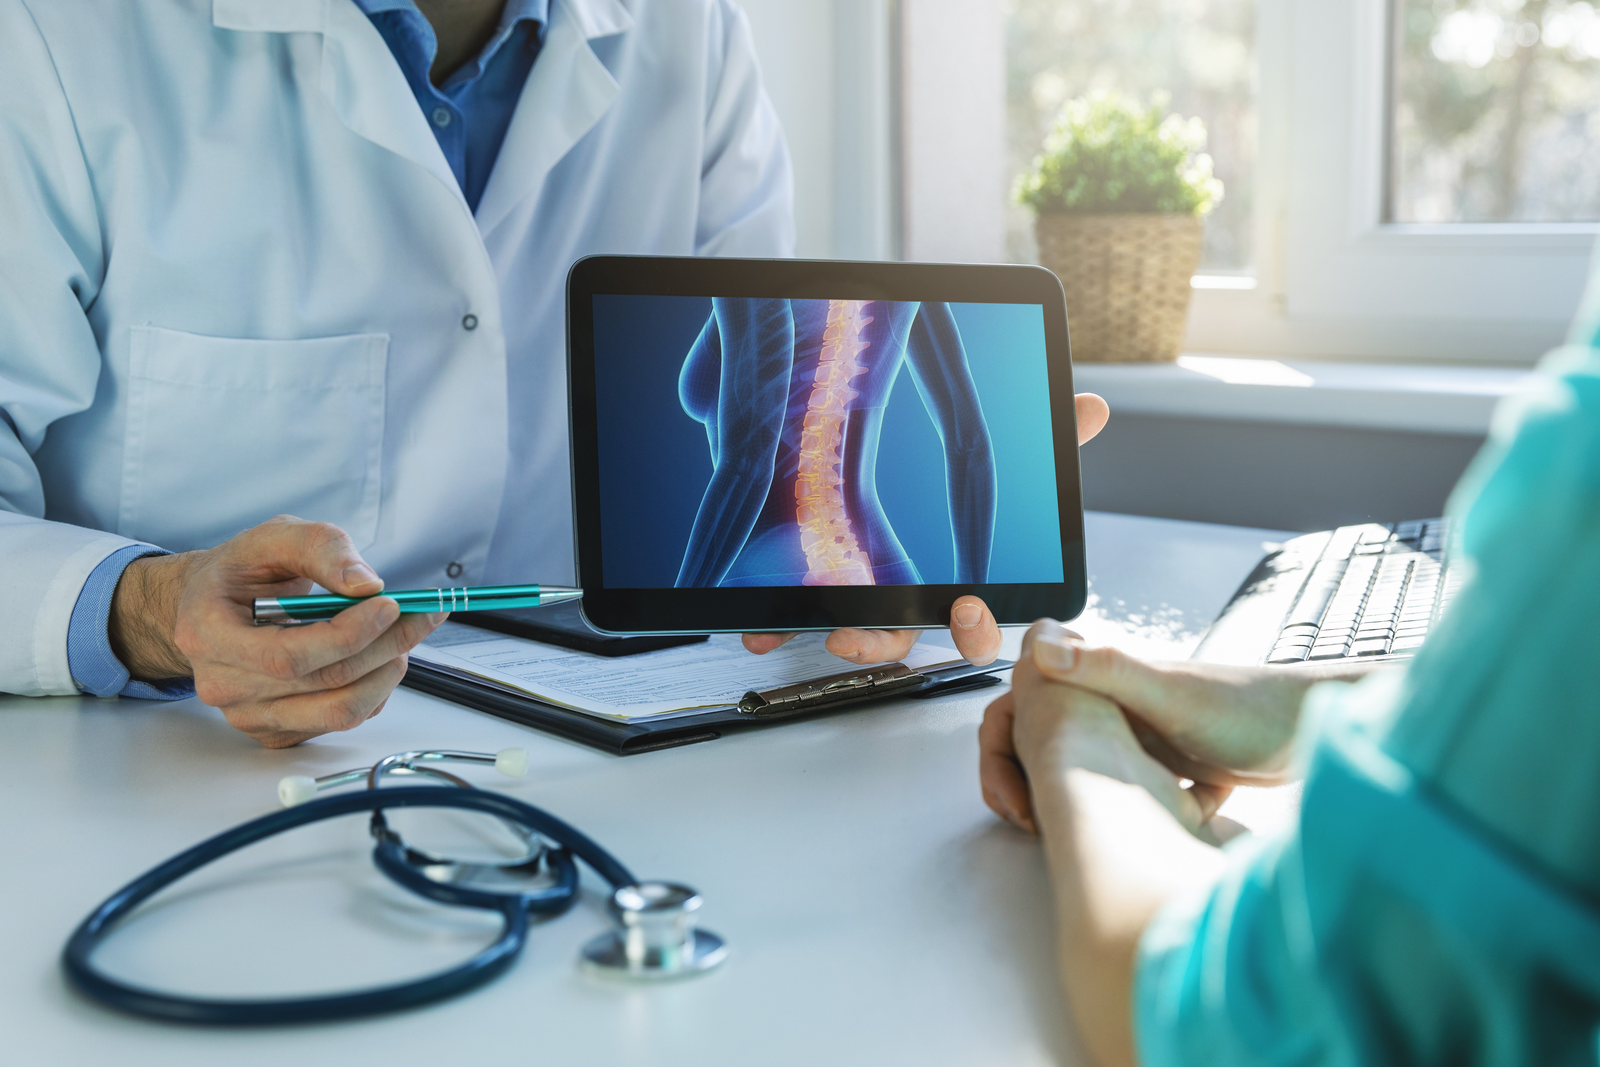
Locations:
{"points": [[792, 395], [833, 555]]}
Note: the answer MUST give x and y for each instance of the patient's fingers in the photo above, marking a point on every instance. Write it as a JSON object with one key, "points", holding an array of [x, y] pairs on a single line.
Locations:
{"points": [[1210, 798], [1005, 787], [1062, 656], [1175, 759], [872, 646]]}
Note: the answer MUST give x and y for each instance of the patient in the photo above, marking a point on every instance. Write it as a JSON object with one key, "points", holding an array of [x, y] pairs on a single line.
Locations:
{"points": [[1439, 899]]}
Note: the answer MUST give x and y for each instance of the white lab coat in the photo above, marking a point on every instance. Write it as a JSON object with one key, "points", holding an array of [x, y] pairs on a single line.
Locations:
{"points": [[236, 274]]}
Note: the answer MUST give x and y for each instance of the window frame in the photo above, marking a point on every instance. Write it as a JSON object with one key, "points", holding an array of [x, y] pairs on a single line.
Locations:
{"points": [[1334, 277]]}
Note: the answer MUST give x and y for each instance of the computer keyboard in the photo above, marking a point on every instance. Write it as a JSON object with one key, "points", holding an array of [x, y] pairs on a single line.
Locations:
{"points": [[1374, 591], [1358, 592]]}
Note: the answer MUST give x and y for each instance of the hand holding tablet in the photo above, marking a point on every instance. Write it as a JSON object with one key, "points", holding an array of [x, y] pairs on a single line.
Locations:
{"points": [[788, 445]]}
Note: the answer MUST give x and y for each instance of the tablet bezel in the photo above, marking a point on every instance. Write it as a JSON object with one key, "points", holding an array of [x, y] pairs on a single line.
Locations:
{"points": [[757, 609]]}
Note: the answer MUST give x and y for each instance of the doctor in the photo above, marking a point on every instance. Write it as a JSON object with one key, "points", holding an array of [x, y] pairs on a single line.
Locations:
{"points": [[303, 256], [271, 256]]}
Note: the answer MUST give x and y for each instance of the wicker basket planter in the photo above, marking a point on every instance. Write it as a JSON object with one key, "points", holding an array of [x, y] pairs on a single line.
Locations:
{"points": [[1127, 281]]}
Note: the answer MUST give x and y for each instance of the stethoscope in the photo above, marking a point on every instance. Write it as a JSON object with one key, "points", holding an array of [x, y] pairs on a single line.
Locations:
{"points": [[656, 936]]}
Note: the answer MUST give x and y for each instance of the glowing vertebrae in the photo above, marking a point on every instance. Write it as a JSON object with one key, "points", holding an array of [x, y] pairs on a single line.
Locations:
{"points": [[832, 552]]}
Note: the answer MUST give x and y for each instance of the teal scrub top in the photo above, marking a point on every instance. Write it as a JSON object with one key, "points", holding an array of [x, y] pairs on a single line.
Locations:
{"points": [[1439, 900]]}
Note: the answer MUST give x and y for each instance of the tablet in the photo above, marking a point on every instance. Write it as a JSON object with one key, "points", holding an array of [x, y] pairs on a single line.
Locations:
{"points": [[765, 445]]}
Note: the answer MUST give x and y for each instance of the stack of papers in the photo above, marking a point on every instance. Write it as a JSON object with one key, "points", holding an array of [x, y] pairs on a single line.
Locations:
{"points": [[686, 680]]}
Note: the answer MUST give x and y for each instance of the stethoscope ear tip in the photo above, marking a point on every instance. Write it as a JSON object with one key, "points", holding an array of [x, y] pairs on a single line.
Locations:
{"points": [[511, 762], [296, 789]]}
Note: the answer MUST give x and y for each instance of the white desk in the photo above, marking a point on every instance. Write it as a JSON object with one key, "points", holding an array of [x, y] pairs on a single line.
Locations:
{"points": [[878, 913]]}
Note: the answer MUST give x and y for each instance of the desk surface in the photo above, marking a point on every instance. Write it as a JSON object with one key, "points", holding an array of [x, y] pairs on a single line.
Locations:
{"points": [[877, 912]]}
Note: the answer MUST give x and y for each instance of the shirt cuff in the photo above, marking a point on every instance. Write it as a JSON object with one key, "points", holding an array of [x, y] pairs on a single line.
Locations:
{"points": [[95, 668]]}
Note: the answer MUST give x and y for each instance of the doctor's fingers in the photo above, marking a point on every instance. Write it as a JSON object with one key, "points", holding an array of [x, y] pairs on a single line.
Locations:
{"points": [[290, 720], [1004, 784], [222, 684], [974, 630], [872, 646], [286, 546], [286, 653], [1093, 414], [761, 644]]}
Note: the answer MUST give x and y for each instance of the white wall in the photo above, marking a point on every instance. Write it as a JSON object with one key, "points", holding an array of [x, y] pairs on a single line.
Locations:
{"points": [[826, 65], [954, 114]]}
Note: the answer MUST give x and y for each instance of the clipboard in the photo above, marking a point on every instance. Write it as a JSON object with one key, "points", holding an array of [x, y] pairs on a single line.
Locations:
{"points": [[818, 696]]}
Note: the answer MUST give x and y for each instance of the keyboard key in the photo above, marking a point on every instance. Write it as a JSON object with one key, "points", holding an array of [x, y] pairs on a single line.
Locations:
{"points": [[1327, 652], [1342, 541], [1313, 603], [1410, 631], [1406, 644], [1293, 655], [1295, 630], [1370, 648]]}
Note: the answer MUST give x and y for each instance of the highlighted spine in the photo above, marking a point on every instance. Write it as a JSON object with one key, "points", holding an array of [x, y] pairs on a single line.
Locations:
{"points": [[832, 552]]}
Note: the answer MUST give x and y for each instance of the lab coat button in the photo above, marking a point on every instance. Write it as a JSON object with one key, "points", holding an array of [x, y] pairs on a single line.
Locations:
{"points": [[441, 116], [453, 571], [470, 322]]}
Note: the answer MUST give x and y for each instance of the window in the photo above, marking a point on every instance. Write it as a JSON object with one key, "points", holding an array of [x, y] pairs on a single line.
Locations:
{"points": [[1406, 179], [1199, 52], [1496, 112]]}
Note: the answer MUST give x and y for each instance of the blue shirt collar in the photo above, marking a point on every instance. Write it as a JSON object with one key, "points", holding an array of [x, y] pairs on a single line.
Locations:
{"points": [[515, 13], [516, 10]]}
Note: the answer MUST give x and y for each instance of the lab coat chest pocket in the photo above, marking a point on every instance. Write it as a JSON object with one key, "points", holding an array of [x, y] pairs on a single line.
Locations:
{"points": [[224, 433]]}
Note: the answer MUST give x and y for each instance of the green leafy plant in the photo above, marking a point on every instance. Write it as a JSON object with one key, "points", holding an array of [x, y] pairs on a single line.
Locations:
{"points": [[1108, 155]]}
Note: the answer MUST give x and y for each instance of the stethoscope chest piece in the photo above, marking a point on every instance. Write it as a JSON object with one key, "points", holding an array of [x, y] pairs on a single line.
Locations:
{"points": [[656, 938]]}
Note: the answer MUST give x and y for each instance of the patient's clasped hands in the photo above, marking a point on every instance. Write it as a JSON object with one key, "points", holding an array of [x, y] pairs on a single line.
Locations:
{"points": [[1151, 725]]}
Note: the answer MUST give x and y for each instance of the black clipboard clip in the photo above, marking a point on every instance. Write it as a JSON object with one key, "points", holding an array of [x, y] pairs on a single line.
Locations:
{"points": [[834, 689]]}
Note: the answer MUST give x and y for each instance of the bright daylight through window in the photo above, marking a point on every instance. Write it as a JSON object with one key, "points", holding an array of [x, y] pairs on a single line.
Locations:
{"points": [[1497, 111], [1200, 53]]}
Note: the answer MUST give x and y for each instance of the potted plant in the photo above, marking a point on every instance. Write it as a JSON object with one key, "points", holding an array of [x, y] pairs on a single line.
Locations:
{"points": [[1120, 193]]}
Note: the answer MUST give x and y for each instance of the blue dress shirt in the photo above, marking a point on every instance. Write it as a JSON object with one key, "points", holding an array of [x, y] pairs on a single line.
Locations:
{"points": [[469, 115], [472, 110]]}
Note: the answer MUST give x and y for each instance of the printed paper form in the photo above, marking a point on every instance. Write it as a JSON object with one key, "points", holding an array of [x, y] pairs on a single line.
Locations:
{"points": [[670, 681]]}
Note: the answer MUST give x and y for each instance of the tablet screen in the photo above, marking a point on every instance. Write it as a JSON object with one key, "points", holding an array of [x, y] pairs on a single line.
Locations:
{"points": [[792, 444], [763, 441]]}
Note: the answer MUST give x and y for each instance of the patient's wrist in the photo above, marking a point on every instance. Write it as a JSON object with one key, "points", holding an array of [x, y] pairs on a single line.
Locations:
{"points": [[144, 614]]}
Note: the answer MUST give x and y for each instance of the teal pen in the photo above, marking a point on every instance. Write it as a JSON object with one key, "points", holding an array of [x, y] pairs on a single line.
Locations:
{"points": [[292, 610]]}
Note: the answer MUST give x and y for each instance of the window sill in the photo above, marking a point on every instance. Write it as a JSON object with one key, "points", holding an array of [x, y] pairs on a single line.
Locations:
{"points": [[1389, 396]]}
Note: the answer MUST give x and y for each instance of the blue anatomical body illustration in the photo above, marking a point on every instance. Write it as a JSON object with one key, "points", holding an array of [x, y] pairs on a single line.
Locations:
{"points": [[792, 394]]}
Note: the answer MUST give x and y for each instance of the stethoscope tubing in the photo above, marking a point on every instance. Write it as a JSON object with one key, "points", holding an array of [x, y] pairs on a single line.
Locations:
{"points": [[514, 909]]}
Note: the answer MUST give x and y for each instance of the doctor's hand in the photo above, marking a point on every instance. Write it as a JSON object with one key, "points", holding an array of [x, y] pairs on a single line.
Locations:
{"points": [[972, 625], [189, 616], [1217, 726]]}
